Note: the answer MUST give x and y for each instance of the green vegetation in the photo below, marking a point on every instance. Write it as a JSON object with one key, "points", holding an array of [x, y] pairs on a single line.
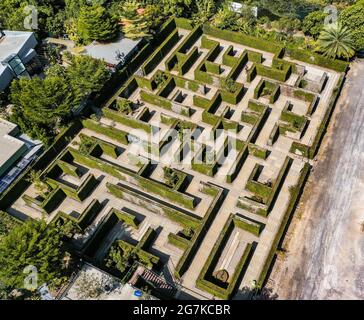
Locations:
{"points": [[43, 106], [93, 23], [33, 243], [335, 41]]}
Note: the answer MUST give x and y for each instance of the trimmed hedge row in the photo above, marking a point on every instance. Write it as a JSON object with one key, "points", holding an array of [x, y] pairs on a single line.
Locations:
{"points": [[228, 59], [325, 122], [204, 279], [295, 194], [126, 120], [248, 117], [256, 187], [243, 39], [239, 66], [185, 220], [257, 151], [178, 241], [272, 73], [101, 146], [255, 57], [233, 97], [84, 219], [183, 23], [161, 52], [317, 59], [164, 103], [213, 67], [127, 217], [68, 168], [247, 225], [201, 230], [145, 83], [50, 203], [111, 132], [81, 192], [186, 45], [190, 59], [256, 106], [239, 162]]}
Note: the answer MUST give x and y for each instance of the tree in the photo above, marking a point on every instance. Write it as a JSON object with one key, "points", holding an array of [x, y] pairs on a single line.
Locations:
{"points": [[353, 19], [33, 243], [94, 23], [138, 21], [225, 18], [177, 7], [204, 10], [287, 25], [314, 23], [335, 41], [86, 75], [41, 105]]}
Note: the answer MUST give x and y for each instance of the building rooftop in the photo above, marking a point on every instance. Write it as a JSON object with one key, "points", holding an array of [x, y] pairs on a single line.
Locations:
{"points": [[12, 42], [11, 147], [111, 52]]}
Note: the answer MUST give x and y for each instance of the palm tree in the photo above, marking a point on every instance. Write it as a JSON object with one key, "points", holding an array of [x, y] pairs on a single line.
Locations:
{"points": [[335, 41]]}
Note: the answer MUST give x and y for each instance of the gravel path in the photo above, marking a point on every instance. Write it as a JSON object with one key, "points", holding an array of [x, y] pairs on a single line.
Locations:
{"points": [[325, 242]]}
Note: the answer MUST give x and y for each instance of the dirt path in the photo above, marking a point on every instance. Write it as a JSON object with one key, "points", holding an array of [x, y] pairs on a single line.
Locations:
{"points": [[325, 242]]}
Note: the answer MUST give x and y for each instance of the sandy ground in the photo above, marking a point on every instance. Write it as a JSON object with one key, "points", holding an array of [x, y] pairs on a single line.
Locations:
{"points": [[325, 242]]}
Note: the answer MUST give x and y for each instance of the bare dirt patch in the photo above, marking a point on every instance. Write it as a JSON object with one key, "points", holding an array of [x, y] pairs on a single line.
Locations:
{"points": [[325, 242]]}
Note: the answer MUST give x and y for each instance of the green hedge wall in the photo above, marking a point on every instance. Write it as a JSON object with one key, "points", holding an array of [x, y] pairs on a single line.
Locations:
{"points": [[255, 57], [84, 219], [185, 220], [160, 53], [247, 225], [127, 217], [295, 194], [145, 83], [68, 168], [183, 23], [257, 151], [191, 58], [272, 73], [81, 192], [316, 59], [248, 117], [178, 241], [162, 102], [204, 279], [243, 39], [201, 230], [233, 98], [228, 59], [126, 120], [239, 162], [213, 67], [111, 132]]}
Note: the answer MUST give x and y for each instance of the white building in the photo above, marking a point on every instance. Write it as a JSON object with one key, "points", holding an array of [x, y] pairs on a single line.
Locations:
{"points": [[11, 148], [115, 53], [17, 55]]}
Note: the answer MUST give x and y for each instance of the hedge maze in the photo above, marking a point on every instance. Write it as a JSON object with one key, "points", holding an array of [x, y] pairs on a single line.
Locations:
{"points": [[194, 167]]}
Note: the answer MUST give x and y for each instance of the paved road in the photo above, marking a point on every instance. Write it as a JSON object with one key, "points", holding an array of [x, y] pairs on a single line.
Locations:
{"points": [[325, 258]]}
